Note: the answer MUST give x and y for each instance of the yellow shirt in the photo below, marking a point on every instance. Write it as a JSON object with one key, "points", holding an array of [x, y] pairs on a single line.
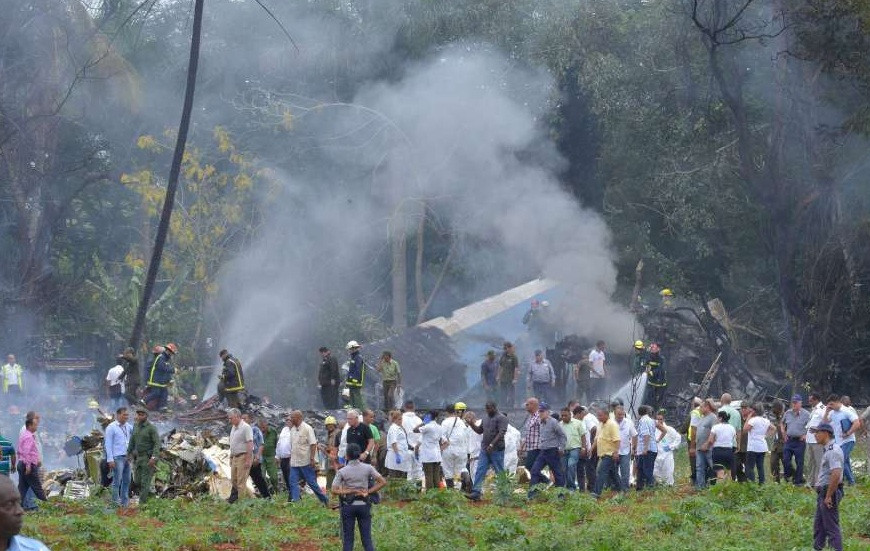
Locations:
{"points": [[608, 438]]}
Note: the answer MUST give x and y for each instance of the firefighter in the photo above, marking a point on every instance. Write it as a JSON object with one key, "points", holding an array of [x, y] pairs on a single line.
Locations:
{"points": [[356, 375], [232, 380], [159, 376], [638, 363], [656, 374], [667, 298], [13, 377]]}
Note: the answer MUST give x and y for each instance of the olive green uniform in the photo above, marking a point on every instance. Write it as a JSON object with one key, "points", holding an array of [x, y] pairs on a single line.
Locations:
{"points": [[270, 442], [144, 444]]}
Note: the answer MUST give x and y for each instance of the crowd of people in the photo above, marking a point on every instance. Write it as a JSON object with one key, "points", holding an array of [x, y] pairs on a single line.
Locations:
{"points": [[604, 447]]}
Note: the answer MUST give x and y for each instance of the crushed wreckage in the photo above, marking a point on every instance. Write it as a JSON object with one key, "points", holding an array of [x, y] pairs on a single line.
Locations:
{"points": [[195, 456]]}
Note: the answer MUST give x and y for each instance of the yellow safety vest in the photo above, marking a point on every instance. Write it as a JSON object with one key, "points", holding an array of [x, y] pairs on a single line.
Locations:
{"points": [[238, 378], [8, 370], [151, 374]]}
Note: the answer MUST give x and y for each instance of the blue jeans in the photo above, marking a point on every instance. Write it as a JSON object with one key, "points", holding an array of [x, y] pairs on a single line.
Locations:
{"points": [[121, 481], [755, 461], [550, 458], [645, 466], [703, 464], [356, 514], [484, 462], [606, 475], [847, 464], [569, 465], [624, 472], [307, 474]]}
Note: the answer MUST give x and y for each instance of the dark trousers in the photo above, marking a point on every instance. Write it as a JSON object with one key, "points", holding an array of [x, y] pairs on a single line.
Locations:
{"points": [[826, 526], [531, 457], [131, 391], [284, 463], [776, 464], [329, 395], [389, 390], [597, 388], [607, 475], [581, 474], [755, 462], [506, 395], [361, 515], [591, 467], [549, 458], [658, 396], [541, 391], [156, 397], [738, 473], [692, 472], [256, 474], [29, 482], [432, 475], [645, 465], [794, 449]]}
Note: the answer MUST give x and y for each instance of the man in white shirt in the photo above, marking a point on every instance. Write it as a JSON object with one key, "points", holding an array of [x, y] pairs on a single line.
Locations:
{"points": [[115, 386], [815, 451], [283, 449], [598, 371], [303, 458], [846, 423], [115, 442], [627, 444], [590, 464]]}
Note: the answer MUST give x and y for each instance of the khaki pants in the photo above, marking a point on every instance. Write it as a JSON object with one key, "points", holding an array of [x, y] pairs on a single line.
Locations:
{"points": [[239, 474], [813, 459]]}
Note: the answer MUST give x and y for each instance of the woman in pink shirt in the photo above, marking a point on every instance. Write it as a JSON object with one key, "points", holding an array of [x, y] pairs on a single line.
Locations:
{"points": [[28, 462]]}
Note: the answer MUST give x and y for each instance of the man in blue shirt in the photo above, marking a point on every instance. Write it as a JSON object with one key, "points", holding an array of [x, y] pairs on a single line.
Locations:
{"points": [[647, 448], [256, 471], [116, 441], [12, 519]]}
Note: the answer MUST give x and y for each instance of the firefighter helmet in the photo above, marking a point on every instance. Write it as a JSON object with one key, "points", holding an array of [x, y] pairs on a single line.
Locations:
{"points": [[351, 345], [666, 292], [638, 345], [172, 348]]}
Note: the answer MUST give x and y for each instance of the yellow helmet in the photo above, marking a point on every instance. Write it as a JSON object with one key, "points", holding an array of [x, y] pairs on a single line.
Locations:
{"points": [[93, 404], [638, 345], [666, 293], [460, 406], [330, 421]]}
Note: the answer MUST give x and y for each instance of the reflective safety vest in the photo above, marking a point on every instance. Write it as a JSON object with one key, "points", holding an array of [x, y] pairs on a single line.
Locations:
{"points": [[351, 380], [8, 371], [240, 383], [153, 371], [656, 372]]}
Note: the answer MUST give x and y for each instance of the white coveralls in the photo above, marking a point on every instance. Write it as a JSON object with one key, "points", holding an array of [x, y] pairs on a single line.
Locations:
{"points": [[663, 470], [474, 441], [411, 421], [511, 449], [455, 457]]}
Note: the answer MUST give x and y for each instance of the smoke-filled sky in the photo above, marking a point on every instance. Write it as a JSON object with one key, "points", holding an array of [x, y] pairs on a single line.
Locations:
{"points": [[458, 130]]}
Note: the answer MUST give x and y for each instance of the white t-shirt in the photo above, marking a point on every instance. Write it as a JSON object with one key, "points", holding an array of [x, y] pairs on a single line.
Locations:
{"points": [[596, 358], [591, 422], [627, 431], [283, 447], [723, 435], [815, 419], [430, 442], [836, 420], [757, 441], [114, 376], [396, 435]]}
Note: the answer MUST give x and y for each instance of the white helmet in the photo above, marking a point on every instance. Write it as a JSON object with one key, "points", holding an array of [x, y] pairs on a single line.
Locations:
{"points": [[545, 303], [351, 345]]}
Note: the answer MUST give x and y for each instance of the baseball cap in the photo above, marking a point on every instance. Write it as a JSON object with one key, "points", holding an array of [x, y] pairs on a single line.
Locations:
{"points": [[826, 427], [797, 398], [544, 406]]}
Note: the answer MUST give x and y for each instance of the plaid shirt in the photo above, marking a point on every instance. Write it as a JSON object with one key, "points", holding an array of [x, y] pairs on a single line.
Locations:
{"points": [[532, 432]]}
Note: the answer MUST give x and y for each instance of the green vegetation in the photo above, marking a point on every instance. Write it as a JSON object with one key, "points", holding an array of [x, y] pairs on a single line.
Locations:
{"points": [[728, 517]]}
